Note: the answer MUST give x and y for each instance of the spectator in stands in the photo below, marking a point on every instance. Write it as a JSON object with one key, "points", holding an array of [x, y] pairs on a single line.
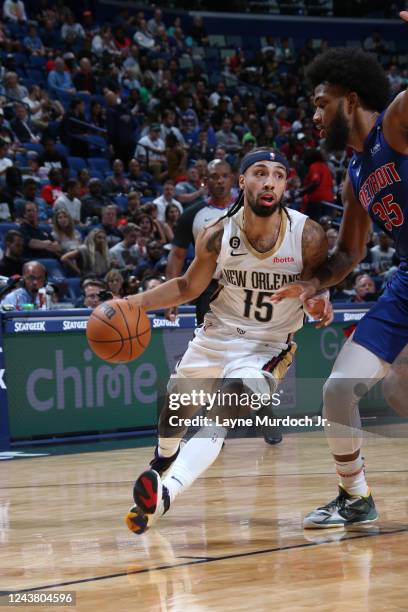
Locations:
{"points": [[331, 234], [202, 149], [72, 33], [73, 128], [38, 243], [53, 189], [5, 162], [220, 92], [226, 137], [121, 127], [166, 199], [83, 178], [60, 78], [14, 10], [92, 257], [34, 275], [383, 253], [114, 283], [140, 180], [365, 290], [375, 44], [338, 162], [155, 22], [64, 231], [148, 228], [126, 253], [154, 263], [84, 80], [318, 185], [109, 225], [117, 183], [98, 115], [11, 190], [94, 202], [133, 207], [22, 127], [176, 159], [69, 200], [30, 194], [150, 282], [192, 191], [172, 215], [198, 31], [32, 43], [12, 88], [150, 151], [12, 260], [168, 126], [91, 288], [51, 158]]}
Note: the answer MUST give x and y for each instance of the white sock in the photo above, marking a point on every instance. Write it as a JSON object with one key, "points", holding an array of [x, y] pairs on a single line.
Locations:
{"points": [[167, 447], [194, 458], [352, 477]]}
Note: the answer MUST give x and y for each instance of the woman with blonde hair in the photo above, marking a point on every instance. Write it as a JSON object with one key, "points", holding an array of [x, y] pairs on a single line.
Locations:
{"points": [[64, 231], [114, 283], [92, 257]]}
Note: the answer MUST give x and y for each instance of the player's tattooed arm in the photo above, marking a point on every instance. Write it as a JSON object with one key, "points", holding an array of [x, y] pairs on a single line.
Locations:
{"points": [[214, 240], [192, 283], [314, 249]]}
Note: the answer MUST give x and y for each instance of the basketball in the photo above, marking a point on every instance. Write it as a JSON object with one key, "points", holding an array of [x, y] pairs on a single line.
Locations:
{"points": [[118, 331]]}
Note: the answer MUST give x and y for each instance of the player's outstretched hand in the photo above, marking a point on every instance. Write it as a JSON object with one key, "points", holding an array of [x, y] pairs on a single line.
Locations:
{"points": [[301, 289], [404, 15], [320, 309]]}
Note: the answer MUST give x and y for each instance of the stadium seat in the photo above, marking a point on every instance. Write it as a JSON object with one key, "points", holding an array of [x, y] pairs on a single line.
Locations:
{"points": [[100, 164], [54, 269], [34, 146], [76, 164], [121, 201], [73, 289], [62, 149]]}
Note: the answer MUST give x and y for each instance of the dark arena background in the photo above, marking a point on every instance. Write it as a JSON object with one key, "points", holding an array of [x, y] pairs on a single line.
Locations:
{"points": [[111, 114]]}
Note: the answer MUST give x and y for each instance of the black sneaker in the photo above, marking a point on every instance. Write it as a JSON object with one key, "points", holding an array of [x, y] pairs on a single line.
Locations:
{"points": [[345, 510], [161, 464]]}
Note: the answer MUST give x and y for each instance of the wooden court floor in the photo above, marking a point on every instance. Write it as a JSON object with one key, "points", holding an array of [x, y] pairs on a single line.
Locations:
{"points": [[234, 541]]}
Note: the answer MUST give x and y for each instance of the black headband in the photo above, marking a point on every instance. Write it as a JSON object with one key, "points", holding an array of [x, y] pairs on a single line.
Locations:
{"points": [[257, 156]]}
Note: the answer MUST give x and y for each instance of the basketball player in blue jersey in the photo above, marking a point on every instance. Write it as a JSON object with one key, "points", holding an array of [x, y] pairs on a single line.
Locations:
{"points": [[351, 94], [245, 342]]}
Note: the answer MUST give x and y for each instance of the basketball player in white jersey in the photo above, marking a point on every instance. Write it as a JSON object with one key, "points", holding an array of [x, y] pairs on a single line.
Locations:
{"points": [[258, 246]]}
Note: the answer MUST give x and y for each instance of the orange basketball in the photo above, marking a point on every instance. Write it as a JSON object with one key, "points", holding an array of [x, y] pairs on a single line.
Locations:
{"points": [[118, 331]]}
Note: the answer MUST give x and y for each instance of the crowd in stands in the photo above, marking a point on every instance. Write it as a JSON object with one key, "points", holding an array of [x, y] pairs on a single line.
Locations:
{"points": [[106, 131]]}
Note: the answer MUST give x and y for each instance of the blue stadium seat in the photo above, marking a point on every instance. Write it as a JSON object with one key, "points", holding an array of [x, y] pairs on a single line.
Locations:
{"points": [[97, 174], [74, 289], [62, 149], [34, 146], [54, 269], [100, 164], [76, 163], [121, 201]]}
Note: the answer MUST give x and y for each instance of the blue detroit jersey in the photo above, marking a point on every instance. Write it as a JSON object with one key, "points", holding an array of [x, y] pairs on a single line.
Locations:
{"points": [[379, 176]]}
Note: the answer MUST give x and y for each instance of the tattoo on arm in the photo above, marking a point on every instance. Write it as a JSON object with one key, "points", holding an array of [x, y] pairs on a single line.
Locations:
{"points": [[314, 249], [214, 241]]}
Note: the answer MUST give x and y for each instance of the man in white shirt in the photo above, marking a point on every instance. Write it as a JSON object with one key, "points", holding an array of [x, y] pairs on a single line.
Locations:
{"points": [[382, 253], [69, 201], [15, 11], [126, 254], [150, 150], [5, 162], [165, 199]]}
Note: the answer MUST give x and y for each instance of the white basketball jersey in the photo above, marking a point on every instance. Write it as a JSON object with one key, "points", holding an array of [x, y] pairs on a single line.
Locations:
{"points": [[248, 279]]}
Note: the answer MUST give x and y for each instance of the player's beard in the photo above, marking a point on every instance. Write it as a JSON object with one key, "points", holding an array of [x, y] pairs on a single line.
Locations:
{"points": [[260, 210], [337, 134]]}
